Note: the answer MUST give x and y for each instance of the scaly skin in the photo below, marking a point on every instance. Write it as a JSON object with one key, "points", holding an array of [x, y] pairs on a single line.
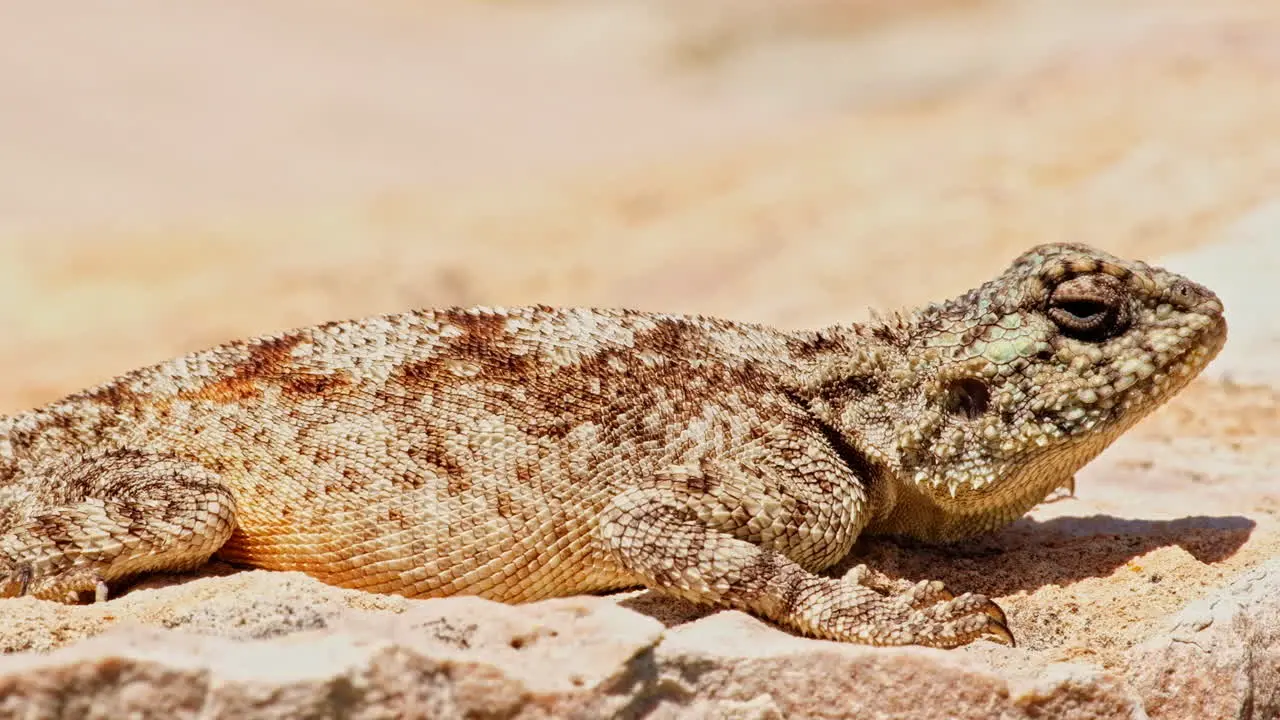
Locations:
{"points": [[526, 453]]}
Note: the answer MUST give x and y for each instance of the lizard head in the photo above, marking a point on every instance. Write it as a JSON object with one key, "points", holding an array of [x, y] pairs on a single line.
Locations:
{"points": [[982, 405]]}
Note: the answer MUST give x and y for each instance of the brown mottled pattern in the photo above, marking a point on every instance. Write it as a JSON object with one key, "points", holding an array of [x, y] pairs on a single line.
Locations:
{"points": [[526, 453]]}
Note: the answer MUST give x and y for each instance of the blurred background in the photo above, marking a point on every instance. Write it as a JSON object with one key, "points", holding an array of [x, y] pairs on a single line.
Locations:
{"points": [[173, 175]]}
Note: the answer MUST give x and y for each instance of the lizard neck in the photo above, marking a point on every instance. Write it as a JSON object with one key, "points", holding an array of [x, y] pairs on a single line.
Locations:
{"points": [[876, 389], [839, 377]]}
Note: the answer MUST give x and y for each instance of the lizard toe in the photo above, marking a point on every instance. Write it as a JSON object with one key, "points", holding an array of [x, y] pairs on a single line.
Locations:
{"points": [[957, 631], [38, 580], [999, 632], [926, 593]]}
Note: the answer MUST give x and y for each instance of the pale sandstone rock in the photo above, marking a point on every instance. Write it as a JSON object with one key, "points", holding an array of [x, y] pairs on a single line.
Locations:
{"points": [[589, 657], [734, 660], [445, 658], [583, 657], [1220, 657]]}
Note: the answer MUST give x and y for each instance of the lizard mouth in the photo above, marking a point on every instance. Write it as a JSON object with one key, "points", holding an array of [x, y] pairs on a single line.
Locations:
{"points": [[1152, 388]]}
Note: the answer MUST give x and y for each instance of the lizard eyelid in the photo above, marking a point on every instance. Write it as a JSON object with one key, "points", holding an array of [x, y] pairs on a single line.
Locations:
{"points": [[1092, 308], [1084, 311]]}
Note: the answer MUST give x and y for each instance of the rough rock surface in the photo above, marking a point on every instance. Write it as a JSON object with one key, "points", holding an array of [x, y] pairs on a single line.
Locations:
{"points": [[791, 167], [585, 657], [1220, 657], [303, 649]]}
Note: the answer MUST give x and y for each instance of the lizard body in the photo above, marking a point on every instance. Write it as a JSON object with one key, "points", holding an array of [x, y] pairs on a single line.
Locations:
{"points": [[526, 453]]}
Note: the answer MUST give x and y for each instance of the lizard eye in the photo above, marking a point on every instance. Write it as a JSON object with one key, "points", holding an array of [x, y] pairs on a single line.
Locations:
{"points": [[1092, 308]]}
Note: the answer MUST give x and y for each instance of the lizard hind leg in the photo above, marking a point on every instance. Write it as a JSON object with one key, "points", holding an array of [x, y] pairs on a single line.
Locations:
{"points": [[660, 539], [112, 516]]}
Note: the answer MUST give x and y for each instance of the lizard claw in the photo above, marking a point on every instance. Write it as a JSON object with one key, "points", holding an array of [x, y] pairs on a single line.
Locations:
{"points": [[25, 575], [966, 618], [20, 580], [996, 625], [998, 631], [1065, 491], [17, 581], [995, 613]]}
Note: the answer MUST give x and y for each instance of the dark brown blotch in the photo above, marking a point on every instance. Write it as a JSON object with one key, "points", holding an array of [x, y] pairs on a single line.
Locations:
{"points": [[457, 484], [425, 373], [891, 332], [673, 338], [524, 474], [792, 595], [115, 395], [755, 577], [264, 360], [397, 516], [814, 345], [231, 390], [1082, 266], [303, 385], [432, 457], [269, 356], [504, 505]]}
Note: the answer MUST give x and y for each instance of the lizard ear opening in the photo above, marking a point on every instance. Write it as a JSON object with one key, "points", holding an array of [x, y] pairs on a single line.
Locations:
{"points": [[967, 397]]}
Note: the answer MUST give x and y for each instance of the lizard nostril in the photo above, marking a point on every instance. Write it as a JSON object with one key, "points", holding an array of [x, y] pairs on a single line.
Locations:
{"points": [[1188, 295]]}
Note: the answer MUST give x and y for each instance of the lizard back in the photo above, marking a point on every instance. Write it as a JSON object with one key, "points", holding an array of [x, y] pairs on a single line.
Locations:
{"points": [[376, 453]]}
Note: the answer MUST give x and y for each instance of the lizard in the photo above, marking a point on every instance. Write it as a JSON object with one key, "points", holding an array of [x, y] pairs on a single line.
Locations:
{"points": [[531, 452]]}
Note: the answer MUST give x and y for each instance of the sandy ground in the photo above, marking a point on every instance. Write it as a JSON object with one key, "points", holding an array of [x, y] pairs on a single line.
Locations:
{"points": [[177, 175]]}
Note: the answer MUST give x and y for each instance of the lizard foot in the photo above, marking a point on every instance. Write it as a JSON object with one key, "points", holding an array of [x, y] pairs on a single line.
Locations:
{"points": [[925, 613], [19, 579], [132, 512]]}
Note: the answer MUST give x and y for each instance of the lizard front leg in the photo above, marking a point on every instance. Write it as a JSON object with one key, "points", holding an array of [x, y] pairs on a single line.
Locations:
{"points": [[109, 517], [660, 536]]}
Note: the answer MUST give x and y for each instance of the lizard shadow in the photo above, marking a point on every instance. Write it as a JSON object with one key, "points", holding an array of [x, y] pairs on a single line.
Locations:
{"points": [[1025, 556], [1031, 554]]}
